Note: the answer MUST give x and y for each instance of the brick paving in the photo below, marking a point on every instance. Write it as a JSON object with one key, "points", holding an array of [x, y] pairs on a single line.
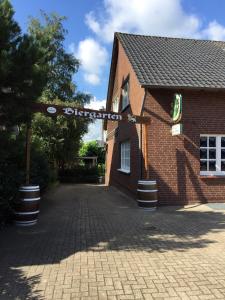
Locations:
{"points": [[92, 242]]}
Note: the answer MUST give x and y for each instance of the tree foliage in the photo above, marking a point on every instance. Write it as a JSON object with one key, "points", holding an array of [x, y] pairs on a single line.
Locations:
{"points": [[92, 148], [60, 136], [23, 69], [49, 33], [35, 67], [12, 169]]}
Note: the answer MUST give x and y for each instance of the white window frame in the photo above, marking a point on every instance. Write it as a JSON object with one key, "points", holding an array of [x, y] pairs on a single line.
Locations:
{"points": [[115, 105], [125, 95], [218, 159], [125, 156]]}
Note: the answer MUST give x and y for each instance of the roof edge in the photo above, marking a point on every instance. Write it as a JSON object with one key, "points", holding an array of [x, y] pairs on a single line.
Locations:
{"points": [[111, 74], [182, 87], [167, 37]]}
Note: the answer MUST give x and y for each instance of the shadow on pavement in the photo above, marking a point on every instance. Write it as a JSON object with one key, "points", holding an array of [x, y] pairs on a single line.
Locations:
{"points": [[78, 218], [13, 285]]}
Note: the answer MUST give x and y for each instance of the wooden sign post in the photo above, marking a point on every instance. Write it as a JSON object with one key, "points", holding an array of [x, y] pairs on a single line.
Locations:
{"points": [[28, 145], [146, 150], [80, 112], [26, 214]]}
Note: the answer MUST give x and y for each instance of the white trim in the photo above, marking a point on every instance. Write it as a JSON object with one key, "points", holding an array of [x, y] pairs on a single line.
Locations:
{"points": [[29, 191], [217, 160], [125, 156], [30, 199], [27, 213], [26, 223], [216, 134], [124, 171], [146, 182], [30, 187], [148, 201], [212, 173], [125, 89], [147, 191]]}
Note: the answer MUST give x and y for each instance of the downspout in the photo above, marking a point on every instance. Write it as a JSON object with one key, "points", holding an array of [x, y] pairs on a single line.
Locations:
{"points": [[140, 138], [141, 156]]}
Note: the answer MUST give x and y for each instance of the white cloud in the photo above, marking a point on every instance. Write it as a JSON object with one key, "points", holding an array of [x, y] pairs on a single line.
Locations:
{"points": [[94, 129], [93, 24], [215, 31], [92, 78], [158, 17], [94, 132], [93, 58], [153, 17], [96, 104]]}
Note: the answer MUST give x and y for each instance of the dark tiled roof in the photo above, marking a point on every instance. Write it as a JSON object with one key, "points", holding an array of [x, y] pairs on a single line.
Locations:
{"points": [[175, 62]]}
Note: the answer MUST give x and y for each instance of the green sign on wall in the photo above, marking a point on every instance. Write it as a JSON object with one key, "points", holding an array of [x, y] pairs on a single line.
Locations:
{"points": [[176, 112]]}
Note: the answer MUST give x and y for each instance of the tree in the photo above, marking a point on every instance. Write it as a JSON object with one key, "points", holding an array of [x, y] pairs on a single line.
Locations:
{"points": [[49, 34], [22, 79], [92, 148], [35, 67], [23, 69], [60, 136]]}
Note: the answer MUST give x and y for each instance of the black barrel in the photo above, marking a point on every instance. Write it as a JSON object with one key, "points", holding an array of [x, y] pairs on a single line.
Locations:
{"points": [[27, 207], [147, 194]]}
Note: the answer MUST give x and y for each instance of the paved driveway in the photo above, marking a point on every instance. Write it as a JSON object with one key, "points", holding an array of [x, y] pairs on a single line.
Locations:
{"points": [[92, 242]]}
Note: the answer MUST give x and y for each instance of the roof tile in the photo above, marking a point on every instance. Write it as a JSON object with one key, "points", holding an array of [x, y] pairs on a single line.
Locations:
{"points": [[175, 62]]}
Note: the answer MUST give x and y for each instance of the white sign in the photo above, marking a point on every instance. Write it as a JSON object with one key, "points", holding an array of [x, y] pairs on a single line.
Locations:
{"points": [[92, 114], [51, 110], [177, 129]]}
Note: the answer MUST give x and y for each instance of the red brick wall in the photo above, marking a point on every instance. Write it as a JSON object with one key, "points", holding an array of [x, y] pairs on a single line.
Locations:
{"points": [[125, 130], [174, 160]]}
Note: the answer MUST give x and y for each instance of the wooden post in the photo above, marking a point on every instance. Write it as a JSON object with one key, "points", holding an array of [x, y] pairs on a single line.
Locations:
{"points": [[146, 150], [28, 146]]}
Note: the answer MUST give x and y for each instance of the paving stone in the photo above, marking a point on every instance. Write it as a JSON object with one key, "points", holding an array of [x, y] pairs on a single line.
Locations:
{"points": [[92, 242]]}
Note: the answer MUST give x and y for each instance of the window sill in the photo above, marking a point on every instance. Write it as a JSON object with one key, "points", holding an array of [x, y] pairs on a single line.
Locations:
{"points": [[211, 176], [124, 171]]}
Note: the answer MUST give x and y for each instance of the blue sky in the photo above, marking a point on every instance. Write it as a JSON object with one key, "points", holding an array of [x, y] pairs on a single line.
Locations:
{"points": [[91, 24], [75, 12]]}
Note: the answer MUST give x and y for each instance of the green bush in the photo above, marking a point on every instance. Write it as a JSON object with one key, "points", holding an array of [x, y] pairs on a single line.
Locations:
{"points": [[79, 174], [11, 174], [12, 171], [92, 148], [40, 170], [101, 169]]}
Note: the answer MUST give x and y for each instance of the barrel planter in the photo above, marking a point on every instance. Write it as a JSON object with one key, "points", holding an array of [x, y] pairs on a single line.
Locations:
{"points": [[101, 179], [147, 194], [27, 207]]}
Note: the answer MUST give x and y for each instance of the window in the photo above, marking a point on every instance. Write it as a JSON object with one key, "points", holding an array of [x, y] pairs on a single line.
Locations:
{"points": [[125, 95], [115, 105], [125, 157], [212, 155]]}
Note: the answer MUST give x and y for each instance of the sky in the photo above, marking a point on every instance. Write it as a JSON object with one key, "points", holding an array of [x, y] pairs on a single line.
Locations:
{"points": [[91, 25]]}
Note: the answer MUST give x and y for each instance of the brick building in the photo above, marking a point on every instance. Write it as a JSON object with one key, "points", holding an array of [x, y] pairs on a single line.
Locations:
{"points": [[145, 74]]}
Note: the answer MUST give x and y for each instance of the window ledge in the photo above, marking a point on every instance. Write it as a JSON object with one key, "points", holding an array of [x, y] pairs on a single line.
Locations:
{"points": [[124, 171], [211, 176]]}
